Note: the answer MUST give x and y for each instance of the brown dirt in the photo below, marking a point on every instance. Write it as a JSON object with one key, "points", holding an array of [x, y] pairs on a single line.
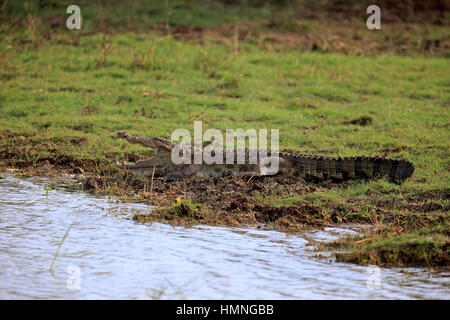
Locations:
{"points": [[241, 201], [362, 121], [245, 201], [226, 197]]}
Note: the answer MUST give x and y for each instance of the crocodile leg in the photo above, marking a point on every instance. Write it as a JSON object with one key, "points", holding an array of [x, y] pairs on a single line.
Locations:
{"points": [[187, 171], [141, 169]]}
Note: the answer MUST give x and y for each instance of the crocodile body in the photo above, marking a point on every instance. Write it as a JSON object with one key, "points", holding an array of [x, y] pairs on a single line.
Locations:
{"points": [[308, 167]]}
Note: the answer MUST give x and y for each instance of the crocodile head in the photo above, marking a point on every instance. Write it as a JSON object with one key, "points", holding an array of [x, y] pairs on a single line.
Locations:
{"points": [[160, 165]]}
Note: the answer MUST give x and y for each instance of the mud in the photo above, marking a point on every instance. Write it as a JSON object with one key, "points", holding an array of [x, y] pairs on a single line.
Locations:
{"points": [[234, 200], [361, 121], [224, 199]]}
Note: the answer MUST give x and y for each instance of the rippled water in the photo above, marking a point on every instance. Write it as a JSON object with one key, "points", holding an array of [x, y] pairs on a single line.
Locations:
{"points": [[117, 258]]}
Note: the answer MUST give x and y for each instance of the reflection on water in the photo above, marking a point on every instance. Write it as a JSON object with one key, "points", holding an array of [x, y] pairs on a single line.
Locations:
{"points": [[109, 257]]}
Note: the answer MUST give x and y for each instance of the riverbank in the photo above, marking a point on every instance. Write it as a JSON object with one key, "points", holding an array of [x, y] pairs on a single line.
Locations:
{"points": [[96, 246], [64, 95], [396, 232]]}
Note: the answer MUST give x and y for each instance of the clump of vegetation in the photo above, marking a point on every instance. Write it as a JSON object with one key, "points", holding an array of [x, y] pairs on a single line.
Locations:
{"points": [[185, 212], [106, 48], [230, 81], [181, 209], [145, 60], [428, 247], [208, 64]]}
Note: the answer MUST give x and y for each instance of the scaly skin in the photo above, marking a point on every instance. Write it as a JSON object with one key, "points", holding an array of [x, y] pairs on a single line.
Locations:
{"points": [[305, 166]]}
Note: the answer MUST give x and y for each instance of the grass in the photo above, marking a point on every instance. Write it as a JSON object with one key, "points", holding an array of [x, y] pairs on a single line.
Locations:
{"points": [[59, 246], [64, 96], [425, 246]]}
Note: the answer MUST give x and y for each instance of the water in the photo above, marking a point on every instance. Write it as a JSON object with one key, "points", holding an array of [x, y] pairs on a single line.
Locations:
{"points": [[116, 258]]}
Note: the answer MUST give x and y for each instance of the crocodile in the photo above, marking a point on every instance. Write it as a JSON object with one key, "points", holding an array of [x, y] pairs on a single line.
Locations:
{"points": [[308, 167]]}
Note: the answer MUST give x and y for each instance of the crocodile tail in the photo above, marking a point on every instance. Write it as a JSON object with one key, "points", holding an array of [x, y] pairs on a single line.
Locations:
{"points": [[374, 167], [316, 167]]}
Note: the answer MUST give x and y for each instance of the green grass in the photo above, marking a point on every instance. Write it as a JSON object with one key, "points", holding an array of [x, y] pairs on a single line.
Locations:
{"points": [[66, 97], [59, 93]]}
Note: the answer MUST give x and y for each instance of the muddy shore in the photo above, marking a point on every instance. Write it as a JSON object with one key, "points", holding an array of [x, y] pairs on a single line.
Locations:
{"points": [[234, 201]]}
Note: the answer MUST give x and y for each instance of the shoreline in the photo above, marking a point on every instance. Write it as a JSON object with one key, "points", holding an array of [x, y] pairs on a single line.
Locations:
{"points": [[180, 209]]}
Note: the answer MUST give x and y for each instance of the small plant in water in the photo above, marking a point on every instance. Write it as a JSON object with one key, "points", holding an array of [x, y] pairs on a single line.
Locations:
{"points": [[47, 189]]}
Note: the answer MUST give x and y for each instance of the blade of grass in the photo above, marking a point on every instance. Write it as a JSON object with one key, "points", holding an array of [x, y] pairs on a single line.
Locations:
{"points": [[60, 245]]}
